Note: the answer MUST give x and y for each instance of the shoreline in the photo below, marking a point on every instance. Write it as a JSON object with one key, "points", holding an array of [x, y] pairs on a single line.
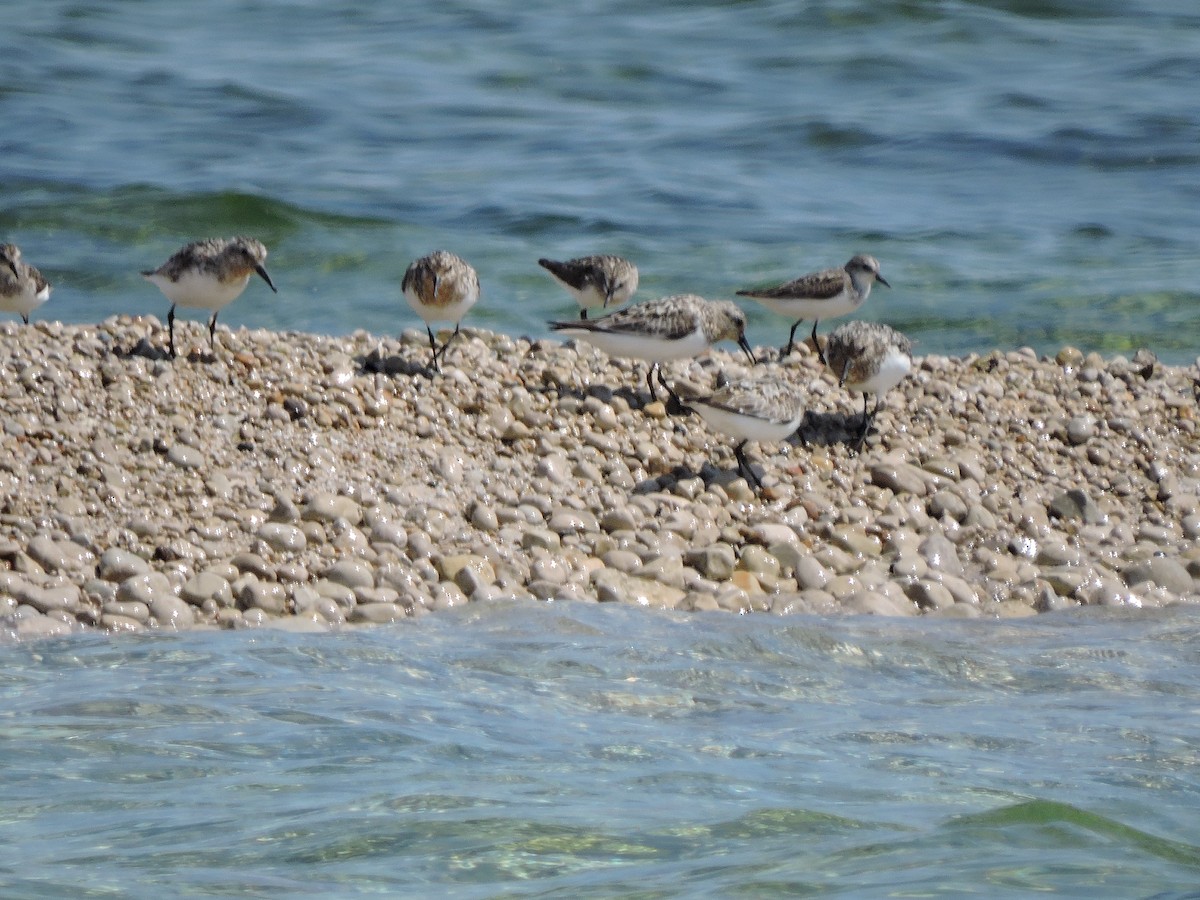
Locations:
{"points": [[321, 482]]}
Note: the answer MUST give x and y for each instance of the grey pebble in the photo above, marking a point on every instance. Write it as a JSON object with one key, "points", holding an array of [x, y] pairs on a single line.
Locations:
{"points": [[186, 457], [267, 596], [205, 586], [283, 537], [117, 565], [351, 573]]}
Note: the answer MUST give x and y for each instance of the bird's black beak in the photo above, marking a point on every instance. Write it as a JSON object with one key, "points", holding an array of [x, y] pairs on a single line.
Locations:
{"points": [[745, 345], [265, 277], [882, 281], [12, 265]]}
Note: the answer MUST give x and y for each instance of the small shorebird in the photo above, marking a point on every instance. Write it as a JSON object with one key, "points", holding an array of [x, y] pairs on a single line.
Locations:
{"points": [[209, 274], [868, 357], [676, 327], [440, 287], [595, 281], [821, 295], [22, 287], [752, 409]]}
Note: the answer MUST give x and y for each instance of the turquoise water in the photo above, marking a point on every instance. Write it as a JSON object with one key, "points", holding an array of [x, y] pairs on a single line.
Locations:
{"points": [[590, 750], [1028, 171]]}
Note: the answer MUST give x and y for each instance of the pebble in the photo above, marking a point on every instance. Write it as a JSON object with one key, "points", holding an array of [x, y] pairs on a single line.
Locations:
{"points": [[186, 457], [350, 573], [117, 564], [287, 538]]}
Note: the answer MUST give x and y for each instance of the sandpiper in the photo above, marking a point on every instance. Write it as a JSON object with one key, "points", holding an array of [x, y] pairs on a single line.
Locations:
{"points": [[869, 357], [22, 287], [209, 274], [821, 295], [752, 409], [676, 327], [440, 287], [595, 281]]}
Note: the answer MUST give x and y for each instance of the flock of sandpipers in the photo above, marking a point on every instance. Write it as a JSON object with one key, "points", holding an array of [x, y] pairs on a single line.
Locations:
{"points": [[867, 357]]}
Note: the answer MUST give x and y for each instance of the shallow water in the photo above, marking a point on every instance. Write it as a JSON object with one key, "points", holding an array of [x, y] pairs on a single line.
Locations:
{"points": [[535, 750], [1027, 172]]}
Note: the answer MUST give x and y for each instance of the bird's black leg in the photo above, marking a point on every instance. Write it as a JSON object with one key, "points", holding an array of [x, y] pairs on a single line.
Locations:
{"points": [[650, 380], [817, 344], [583, 313], [171, 330], [433, 362], [678, 404], [744, 465], [212, 332], [25, 318], [787, 351], [866, 421]]}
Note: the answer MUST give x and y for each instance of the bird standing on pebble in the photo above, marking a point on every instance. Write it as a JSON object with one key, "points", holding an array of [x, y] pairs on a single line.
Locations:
{"points": [[868, 357], [22, 287], [440, 287], [209, 274], [821, 295]]}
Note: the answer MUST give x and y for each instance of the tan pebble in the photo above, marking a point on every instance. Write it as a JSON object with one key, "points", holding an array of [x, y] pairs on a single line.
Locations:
{"points": [[746, 581], [810, 574], [853, 539]]}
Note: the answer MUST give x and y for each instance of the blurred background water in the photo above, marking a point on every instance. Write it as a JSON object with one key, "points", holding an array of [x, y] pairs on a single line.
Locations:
{"points": [[1027, 171], [538, 750]]}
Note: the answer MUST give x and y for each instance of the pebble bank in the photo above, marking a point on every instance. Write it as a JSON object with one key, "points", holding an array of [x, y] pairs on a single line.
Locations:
{"points": [[308, 482]]}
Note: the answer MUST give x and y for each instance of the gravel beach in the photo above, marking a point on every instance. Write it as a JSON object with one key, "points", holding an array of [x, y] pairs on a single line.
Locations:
{"points": [[310, 482]]}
